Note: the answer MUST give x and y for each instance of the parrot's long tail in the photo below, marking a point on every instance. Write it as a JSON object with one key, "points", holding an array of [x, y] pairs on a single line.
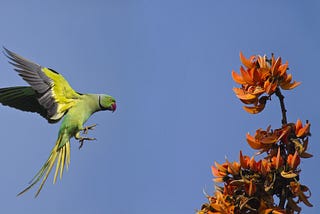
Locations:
{"points": [[59, 154]]}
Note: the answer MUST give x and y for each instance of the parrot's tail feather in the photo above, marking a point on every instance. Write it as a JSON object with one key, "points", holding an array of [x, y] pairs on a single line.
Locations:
{"points": [[60, 155]]}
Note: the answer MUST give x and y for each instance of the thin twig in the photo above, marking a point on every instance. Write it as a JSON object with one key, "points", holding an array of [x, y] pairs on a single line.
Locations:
{"points": [[283, 108]]}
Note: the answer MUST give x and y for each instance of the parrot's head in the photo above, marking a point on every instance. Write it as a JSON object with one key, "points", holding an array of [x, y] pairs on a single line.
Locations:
{"points": [[107, 102]]}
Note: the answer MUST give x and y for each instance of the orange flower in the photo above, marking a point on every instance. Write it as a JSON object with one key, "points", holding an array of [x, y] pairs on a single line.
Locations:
{"points": [[258, 107], [219, 172], [293, 160], [264, 167], [261, 75], [253, 164], [248, 96], [270, 87], [233, 168], [261, 166], [249, 63], [220, 204], [264, 139], [277, 161], [286, 84], [244, 161], [302, 131]]}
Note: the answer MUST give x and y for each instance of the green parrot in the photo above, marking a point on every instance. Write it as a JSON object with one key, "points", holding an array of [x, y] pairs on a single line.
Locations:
{"points": [[51, 96]]}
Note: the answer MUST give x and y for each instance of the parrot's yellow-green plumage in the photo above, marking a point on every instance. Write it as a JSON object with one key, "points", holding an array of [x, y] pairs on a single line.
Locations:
{"points": [[62, 92], [51, 96]]}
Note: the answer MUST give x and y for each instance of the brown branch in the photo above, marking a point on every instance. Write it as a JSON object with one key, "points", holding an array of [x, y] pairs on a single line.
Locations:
{"points": [[283, 108], [278, 93]]}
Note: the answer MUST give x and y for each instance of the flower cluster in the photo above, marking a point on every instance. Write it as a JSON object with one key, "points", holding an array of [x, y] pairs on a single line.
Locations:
{"points": [[272, 183], [250, 185], [293, 137], [259, 76], [247, 187]]}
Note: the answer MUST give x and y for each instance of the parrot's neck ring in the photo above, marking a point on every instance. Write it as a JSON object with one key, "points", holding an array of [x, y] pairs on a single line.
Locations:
{"points": [[101, 106]]}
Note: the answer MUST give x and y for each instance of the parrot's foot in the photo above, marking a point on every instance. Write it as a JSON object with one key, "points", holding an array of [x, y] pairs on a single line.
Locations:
{"points": [[82, 139], [87, 128]]}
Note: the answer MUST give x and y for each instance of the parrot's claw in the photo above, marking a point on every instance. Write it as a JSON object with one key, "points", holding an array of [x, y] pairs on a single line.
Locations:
{"points": [[84, 131], [82, 139], [87, 128]]}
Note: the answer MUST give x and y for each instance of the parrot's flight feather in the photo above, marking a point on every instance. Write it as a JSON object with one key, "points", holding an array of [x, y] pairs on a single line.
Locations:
{"points": [[53, 92], [23, 98]]}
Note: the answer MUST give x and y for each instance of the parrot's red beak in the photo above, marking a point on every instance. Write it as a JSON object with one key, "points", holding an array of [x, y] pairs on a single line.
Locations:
{"points": [[114, 107]]}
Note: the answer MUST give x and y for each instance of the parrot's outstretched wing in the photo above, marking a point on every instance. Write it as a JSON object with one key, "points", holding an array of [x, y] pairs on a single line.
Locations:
{"points": [[54, 93], [23, 98]]}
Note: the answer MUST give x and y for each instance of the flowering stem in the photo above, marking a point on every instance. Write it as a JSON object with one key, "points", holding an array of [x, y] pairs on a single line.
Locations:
{"points": [[283, 108]]}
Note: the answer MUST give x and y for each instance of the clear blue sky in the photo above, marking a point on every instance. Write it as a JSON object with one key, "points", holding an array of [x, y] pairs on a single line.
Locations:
{"points": [[168, 63]]}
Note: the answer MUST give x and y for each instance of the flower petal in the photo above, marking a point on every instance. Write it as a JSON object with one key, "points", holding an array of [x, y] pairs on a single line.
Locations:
{"points": [[237, 78], [289, 86], [303, 131], [254, 109], [246, 62], [253, 143], [215, 171], [246, 75], [298, 124], [275, 67], [283, 68]]}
